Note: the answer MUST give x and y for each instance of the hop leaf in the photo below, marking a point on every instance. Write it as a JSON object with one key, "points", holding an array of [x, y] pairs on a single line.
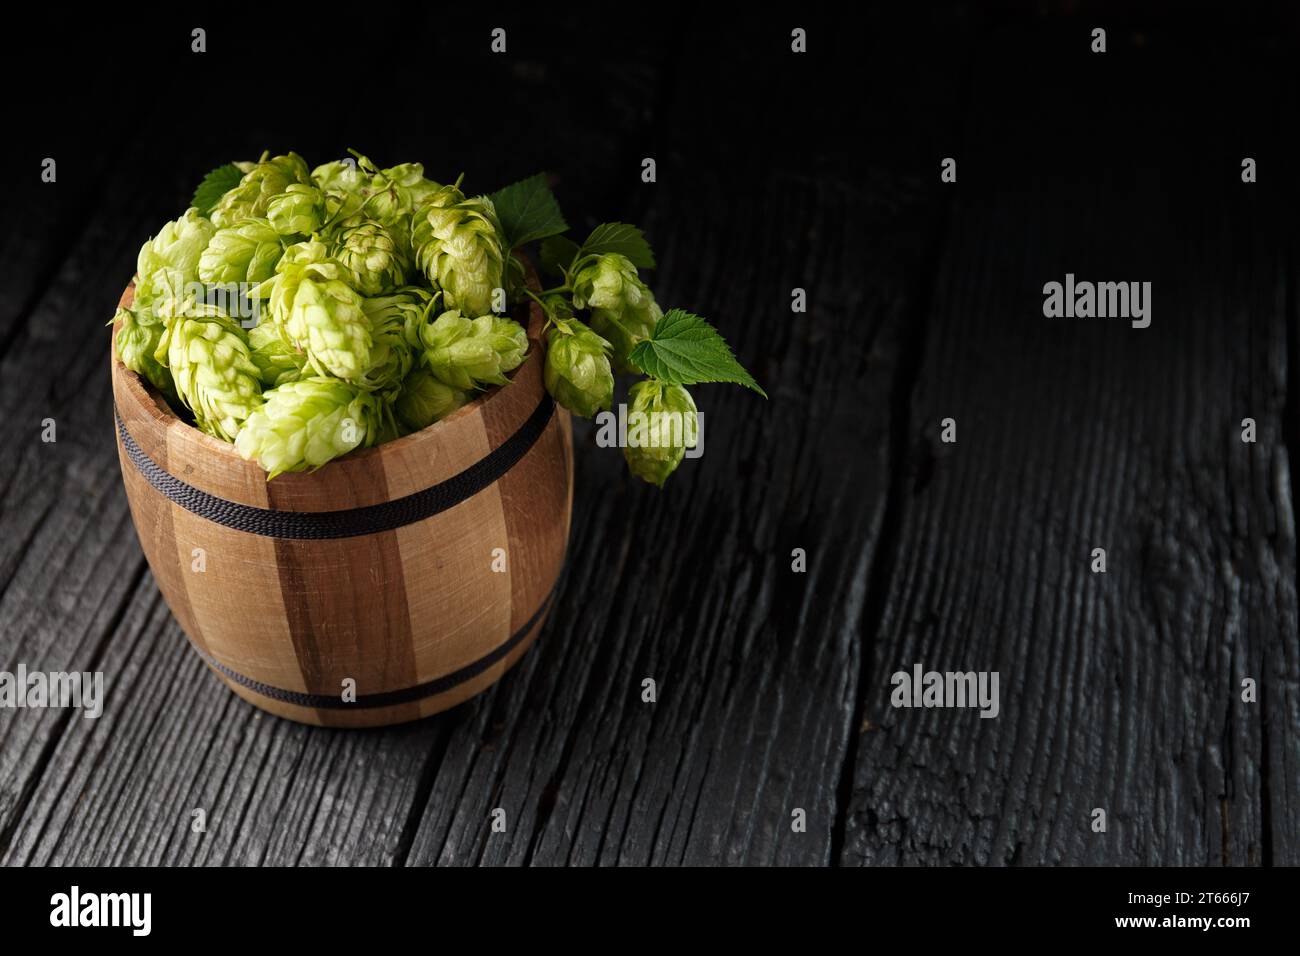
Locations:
{"points": [[623, 309], [213, 373], [306, 423], [458, 248], [472, 353], [424, 400], [577, 371], [621, 239], [685, 349], [661, 424], [557, 254], [245, 252], [527, 211], [215, 185]]}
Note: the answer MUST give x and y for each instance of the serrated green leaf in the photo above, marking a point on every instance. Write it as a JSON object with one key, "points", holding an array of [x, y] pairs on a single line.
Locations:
{"points": [[557, 254], [215, 185], [622, 238], [685, 350], [527, 211]]}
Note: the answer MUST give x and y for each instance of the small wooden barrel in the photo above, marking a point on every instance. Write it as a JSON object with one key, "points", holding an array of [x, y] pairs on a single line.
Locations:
{"points": [[381, 568]]}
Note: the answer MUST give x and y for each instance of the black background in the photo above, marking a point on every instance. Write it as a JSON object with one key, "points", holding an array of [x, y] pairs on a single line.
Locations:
{"points": [[774, 171]]}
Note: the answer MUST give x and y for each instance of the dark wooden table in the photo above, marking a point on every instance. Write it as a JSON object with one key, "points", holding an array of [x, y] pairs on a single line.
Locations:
{"points": [[1120, 691]]}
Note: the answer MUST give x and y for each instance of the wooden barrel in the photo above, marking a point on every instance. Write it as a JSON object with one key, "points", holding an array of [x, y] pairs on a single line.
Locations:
{"points": [[419, 571]]}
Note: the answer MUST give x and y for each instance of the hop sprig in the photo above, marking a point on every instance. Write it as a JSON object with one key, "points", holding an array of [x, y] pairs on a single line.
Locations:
{"points": [[378, 290], [623, 309]]}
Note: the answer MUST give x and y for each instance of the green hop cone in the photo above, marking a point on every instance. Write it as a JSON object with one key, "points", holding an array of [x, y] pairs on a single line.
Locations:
{"points": [[170, 260], [340, 176], [410, 304], [136, 341], [245, 252], [472, 353], [623, 309], [661, 424], [276, 360], [424, 400], [413, 187], [318, 312], [304, 424], [309, 252], [458, 248], [299, 210], [371, 255], [577, 371], [391, 355], [394, 194], [267, 179], [415, 304], [345, 187], [357, 186], [214, 375]]}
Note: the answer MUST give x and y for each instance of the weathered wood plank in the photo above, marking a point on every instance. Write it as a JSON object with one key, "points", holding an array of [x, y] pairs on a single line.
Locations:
{"points": [[68, 553], [1121, 690]]}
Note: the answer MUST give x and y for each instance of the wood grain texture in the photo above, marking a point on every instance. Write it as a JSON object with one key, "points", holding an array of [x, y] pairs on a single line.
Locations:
{"points": [[67, 565], [1123, 690], [820, 173], [713, 770], [756, 666]]}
